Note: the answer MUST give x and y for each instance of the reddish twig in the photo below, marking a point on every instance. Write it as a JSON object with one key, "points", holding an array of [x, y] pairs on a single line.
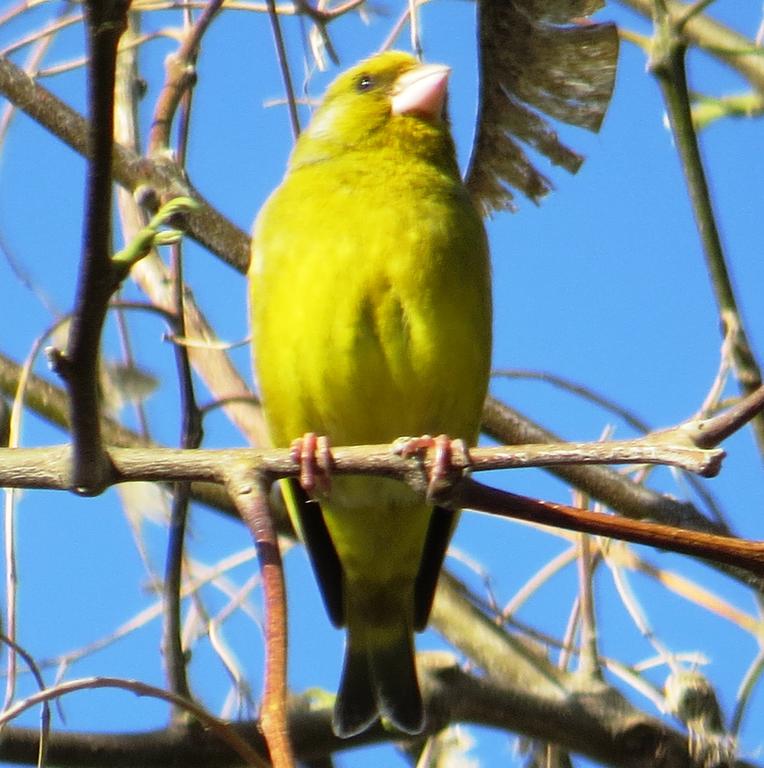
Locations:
{"points": [[180, 74], [249, 489]]}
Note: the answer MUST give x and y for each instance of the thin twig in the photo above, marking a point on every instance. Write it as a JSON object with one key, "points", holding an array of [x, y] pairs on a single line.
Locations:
{"points": [[748, 685], [623, 413], [222, 730], [667, 62], [191, 418], [180, 69], [9, 512], [507, 425], [41, 34], [729, 422], [575, 388], [589, 662], [32, 65], [45, 707], [631, 604], [540, 578], [286, 76], [133, 172], [192, 586], [175, 658]]}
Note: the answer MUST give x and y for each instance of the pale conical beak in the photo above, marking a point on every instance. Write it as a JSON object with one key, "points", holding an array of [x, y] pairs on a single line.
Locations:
{"points": [[421, 91]]}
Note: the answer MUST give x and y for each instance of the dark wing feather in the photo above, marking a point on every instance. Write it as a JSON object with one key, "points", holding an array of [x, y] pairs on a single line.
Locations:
{"points": [[323, 556], [441, 527]]}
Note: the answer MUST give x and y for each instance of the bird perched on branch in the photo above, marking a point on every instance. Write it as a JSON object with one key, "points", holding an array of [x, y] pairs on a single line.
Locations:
{"points": [[371, 319]]}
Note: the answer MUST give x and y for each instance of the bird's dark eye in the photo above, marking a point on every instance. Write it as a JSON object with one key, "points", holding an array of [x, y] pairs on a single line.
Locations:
{"points": [[365, 83]]}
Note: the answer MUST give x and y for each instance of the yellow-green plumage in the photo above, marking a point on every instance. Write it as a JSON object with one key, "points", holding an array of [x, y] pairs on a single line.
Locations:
{"points": [[371, 319]]}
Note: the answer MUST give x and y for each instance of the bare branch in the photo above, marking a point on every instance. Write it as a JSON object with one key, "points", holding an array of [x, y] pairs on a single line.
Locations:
{"points": [[667, 63], [249, 490], [105, 23], [133, 172]]}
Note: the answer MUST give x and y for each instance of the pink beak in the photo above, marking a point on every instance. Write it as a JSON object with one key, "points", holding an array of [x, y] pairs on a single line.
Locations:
{"points": [[421, 91]]}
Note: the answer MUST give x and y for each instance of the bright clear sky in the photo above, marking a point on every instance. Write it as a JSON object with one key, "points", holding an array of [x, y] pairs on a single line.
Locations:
{"points": [[604, 283]]}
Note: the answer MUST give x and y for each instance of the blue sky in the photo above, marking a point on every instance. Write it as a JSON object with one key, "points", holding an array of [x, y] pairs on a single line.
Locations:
{"points": [[603, 283]]}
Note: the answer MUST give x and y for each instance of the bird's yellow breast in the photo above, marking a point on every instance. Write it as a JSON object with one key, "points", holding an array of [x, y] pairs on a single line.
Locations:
{"points": [[370, 297]]}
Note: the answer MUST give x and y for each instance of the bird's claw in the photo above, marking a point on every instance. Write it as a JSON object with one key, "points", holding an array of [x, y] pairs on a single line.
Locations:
{"points": [[406, 447], [451, 458], [314, 455]]}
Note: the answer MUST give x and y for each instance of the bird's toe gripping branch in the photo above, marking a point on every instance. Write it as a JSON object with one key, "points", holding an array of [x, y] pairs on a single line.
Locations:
{"points": [[450, 459], [314, 455]]}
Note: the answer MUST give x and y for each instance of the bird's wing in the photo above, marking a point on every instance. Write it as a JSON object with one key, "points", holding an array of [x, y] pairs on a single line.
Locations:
{"points": [[441, 527], [309, 520]]}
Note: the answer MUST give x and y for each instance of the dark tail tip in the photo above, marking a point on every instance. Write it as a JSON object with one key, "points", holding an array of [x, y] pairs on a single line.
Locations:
{"points": [[397, 688], [379, 680], [355, 708]]}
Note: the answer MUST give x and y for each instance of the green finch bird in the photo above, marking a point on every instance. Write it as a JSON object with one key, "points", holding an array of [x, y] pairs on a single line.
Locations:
{"points": [[371, 319]]}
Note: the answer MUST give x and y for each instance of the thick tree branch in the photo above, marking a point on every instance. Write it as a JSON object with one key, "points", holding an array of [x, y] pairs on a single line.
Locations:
{"points": [[593, 720], [48, 468], [105, 22], [245, 753], [205, 225], [500, 421], [45, 467], [50, 402]]}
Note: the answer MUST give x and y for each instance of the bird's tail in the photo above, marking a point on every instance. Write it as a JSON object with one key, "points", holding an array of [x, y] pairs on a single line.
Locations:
{"points": [[379, 673]]}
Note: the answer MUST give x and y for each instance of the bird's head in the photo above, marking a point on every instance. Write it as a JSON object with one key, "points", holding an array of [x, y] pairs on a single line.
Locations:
{"points": [[390, 98]]}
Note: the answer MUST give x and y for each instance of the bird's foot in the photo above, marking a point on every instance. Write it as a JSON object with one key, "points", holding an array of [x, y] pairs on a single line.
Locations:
{"points": [[451, 457], [314, 455]]}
